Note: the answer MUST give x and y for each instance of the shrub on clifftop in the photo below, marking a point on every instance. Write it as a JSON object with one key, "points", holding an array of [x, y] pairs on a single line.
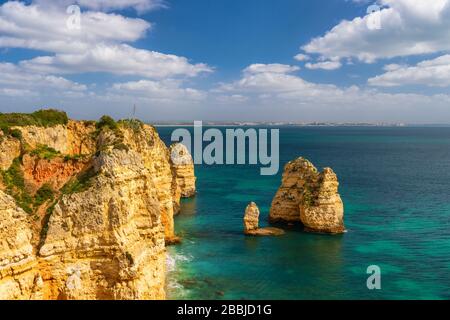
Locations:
{"points": [[41, 118], [106, 122]]}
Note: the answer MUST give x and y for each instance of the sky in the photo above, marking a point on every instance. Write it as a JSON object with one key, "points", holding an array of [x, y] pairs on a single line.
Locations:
{"points": [[228, 60]]}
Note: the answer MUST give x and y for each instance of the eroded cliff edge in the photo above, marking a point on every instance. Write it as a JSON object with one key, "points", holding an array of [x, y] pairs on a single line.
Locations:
{"points": [[85, 208]]}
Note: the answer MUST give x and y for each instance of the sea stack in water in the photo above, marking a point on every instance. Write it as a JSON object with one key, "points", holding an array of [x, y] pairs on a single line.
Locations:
{"points": [[182, 164], [310, 197], [251, 223]]}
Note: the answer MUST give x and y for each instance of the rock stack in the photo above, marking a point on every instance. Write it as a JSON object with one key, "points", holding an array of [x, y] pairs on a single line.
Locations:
{"points": [[251, 223], [183, 183], [309, 197]]}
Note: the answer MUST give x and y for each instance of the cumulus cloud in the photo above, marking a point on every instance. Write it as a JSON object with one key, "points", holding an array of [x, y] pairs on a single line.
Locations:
{"points": [[41, 28], [302, 57], [435, 73], [270, 68], [119, 59], [408, 27], [325, 65], [100, 45], [108, 5], [14, 77], [292, 92], [266, 78], [167, 90]]}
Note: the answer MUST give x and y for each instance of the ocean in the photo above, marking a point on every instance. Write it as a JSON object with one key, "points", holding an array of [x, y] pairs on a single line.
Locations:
{"points": [[395, 184]]}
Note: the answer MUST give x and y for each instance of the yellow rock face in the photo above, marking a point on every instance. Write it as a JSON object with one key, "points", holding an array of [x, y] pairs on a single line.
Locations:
{"points": [[17, 259], [74, 138], [309, 197], [104, 241], [9, 150], [182, 165], [251, 223], [251, 218]]}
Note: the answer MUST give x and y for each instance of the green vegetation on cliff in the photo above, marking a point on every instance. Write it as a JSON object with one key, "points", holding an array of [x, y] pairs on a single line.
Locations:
{"points": [[134, 124], [15, 186], [41, 118], [14, 182], [45, 152], [44, 194], [106, 122], [80, 183]]}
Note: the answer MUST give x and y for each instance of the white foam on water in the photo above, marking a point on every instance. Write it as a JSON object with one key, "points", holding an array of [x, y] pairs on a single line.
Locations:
{"points": [[173, 288]]}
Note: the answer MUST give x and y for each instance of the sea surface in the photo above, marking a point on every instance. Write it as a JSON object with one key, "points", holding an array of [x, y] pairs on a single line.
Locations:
{"points": [[395, 184]]}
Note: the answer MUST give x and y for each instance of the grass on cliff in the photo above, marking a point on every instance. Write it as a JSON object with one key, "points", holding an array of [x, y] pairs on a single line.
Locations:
{"points": [[15, 186], [41, 118], [44, 194], [80, 183], [45, 152], [14, 182], [134, 124], [108, 123]]}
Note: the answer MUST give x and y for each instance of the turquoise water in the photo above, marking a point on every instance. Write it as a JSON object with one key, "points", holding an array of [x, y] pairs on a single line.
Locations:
{"points": [[395, 183]]}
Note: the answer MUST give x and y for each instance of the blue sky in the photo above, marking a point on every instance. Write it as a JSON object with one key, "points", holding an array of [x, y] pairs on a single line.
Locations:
{"points": [[229, 59]]}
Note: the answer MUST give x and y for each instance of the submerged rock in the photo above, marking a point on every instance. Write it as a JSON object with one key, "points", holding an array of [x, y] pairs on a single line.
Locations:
{"points": [[310, 197], [251, 223]]}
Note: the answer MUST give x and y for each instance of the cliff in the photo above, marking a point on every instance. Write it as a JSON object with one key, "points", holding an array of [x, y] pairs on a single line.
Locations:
{"points": [[310, 197], [85, 210], [183, 183]]}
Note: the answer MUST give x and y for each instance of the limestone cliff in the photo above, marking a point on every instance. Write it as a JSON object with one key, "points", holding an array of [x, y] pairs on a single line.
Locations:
{"points": [[18, 278], [85, 212], [9, 150], [310, 197], [76, 137], [183, 173]]}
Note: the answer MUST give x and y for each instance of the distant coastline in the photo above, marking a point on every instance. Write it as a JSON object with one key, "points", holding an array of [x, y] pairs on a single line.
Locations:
{"points": [[289, 124]]}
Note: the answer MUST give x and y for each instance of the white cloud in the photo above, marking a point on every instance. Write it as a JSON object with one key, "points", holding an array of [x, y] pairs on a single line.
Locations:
{"points": [[99, 46], [168, 90], [392, 67], [43, 28], [263, 78], [270, 68], [325, 65], [290, 92], [408, 27], [119, 59], [302, 57], [15, 78], [18, 86], [434, 73], [18, 93], [107, 5]]}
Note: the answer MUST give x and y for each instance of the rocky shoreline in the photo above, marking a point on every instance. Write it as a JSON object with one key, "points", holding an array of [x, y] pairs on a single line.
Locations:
{"points": [[87, 208]]}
